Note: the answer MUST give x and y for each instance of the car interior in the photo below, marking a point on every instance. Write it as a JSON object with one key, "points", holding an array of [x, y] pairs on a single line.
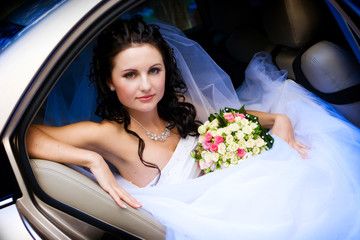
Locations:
{"points": [[302, 36]]}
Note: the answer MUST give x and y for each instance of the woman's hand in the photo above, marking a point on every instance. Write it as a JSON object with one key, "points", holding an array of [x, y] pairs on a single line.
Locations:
{"points": [[283, 128], [108, 182]]}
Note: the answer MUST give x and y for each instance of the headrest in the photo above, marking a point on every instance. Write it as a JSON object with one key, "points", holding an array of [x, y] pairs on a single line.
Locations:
{"points": [[292, 23], [330, 68]]}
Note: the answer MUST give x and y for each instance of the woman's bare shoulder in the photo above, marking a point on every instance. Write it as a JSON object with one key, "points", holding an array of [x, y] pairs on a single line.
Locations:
{"points": [[110, 129], [80, 133], [107, 125]]}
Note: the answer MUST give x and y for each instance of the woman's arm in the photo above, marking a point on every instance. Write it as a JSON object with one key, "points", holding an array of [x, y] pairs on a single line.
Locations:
{"points": [[281, 126], [41, 142]]}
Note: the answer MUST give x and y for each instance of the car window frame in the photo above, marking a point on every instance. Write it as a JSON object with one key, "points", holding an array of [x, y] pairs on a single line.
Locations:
{"points": [[46, 78]]}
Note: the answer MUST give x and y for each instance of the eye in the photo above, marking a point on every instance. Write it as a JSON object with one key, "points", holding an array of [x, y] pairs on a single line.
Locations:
{"points": [[129, 75], [154, 70]]}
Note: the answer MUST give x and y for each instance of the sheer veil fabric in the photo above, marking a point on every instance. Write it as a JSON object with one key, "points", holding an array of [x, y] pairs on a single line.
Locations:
{"points": [[209, 88], [276, 195]]}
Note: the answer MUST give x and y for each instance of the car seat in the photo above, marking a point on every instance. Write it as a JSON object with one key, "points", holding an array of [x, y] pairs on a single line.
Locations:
{"points": [[319, 65], [334, 75], [294, 32], [293, 26]]}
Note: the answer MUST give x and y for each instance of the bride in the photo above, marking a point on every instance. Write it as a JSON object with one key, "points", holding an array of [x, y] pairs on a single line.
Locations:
{"points": [[148, 132]]}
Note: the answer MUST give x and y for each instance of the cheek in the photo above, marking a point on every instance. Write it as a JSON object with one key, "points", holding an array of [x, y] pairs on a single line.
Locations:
{"points": [[161, 85], [124, 92]]}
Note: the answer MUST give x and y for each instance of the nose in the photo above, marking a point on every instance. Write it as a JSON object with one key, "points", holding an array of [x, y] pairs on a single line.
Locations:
{"points": [[145, 84]]}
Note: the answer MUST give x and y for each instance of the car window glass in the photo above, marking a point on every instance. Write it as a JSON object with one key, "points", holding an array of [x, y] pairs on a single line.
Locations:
{"points": [[18, 16], [347, 14], [180, 13]]}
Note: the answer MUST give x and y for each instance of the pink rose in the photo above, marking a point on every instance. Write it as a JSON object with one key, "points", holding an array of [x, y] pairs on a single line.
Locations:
{"points": [[206, 145], [218, 140], [207, 137], [230, 117], [240, 115], [206, 165], [214, 148], [213, 167], [241, 153]]}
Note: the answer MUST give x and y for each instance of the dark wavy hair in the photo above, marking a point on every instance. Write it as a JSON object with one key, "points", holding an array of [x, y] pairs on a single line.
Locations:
{"points": [[172, 107]]}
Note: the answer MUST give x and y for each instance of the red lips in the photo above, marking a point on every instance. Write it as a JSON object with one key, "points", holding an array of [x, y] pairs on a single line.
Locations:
{"points": [[146, 98]]}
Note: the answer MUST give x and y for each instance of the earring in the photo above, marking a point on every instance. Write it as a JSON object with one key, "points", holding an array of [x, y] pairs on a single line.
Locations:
{"points": [[112, 88]]}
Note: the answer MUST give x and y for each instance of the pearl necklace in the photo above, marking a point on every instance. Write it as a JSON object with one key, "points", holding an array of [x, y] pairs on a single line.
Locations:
{"points": [[156, 137]]}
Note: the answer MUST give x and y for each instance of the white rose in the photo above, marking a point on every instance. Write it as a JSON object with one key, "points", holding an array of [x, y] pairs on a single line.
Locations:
{"points": [[253, 125], [220, 132], [207, 156], [222, 148], [238, 119], [202, 129], [259, 142], [234, 161], [240, 135], [234, 127], [215, 121], [206, 124], [211, 157], [229, 155], [229, 139], [255, 151], [202, 164], [213, 133], [214, 124], [242, 144], [201, 139], [244, 122], [225, 165], [248, 155], [247, 129], [227, 131], [250, 143], [233, 147], [215, 157]]}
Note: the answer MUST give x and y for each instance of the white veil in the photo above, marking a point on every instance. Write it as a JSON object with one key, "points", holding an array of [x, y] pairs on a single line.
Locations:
{"points": [[209, 87]]}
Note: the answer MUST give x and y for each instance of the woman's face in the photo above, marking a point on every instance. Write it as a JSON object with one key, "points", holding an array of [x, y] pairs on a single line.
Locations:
{"points": [[138, 77]]}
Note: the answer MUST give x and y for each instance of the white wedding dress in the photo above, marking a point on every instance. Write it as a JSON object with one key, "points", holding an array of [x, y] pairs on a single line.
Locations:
{"points": [[276, 195]]}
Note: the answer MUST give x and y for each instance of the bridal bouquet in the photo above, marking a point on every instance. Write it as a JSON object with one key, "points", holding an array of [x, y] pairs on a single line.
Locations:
{"points": [[229, 137]]}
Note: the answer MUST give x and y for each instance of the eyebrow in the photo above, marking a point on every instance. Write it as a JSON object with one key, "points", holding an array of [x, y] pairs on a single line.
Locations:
{"points": [[156, 65], [132, 69]]}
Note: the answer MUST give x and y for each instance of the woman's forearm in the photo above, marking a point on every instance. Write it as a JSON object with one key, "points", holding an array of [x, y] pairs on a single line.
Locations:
{"points": [[41, 145], [267, 120]]}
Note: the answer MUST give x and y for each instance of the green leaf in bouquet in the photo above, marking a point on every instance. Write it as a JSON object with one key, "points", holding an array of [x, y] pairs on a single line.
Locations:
{"points": [[211, 117], [221, 119]]}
